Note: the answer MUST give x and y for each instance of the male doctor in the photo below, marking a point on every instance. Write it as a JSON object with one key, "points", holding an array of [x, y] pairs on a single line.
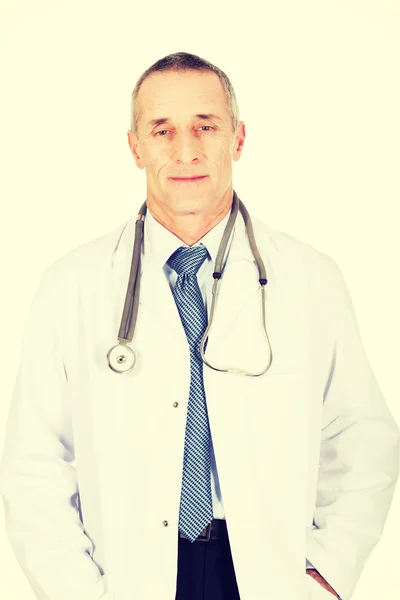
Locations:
{"points": [[125, 486]]}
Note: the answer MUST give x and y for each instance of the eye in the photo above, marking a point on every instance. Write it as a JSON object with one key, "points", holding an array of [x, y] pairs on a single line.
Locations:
{"points": [[162, 130]]}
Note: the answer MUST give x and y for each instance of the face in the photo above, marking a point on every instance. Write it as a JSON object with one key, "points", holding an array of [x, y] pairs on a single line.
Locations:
{"points": [[185, 144]]}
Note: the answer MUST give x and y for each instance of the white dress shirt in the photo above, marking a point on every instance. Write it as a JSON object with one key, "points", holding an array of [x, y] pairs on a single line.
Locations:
{"points": [[159, 243]]}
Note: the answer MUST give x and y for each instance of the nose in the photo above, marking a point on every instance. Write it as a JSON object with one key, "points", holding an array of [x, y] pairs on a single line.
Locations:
{"points": [[186, 148]]}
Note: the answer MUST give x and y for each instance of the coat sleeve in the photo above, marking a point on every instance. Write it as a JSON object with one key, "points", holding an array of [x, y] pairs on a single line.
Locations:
{"points": [[359, 453], [38, 481]]}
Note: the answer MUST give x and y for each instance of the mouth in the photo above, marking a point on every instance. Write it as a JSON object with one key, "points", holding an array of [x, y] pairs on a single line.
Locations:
{"points": [[188, 179]]}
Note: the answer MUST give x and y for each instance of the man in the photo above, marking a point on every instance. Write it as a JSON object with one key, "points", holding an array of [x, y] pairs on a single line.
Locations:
{"points": [[171, 456]]}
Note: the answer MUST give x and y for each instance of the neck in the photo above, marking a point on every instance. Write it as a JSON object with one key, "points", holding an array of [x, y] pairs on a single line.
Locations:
{"points": [[192, 227]]}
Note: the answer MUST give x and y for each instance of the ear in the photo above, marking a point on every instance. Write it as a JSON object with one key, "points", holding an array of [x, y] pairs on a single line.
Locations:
{"points": [[239, 141], [134, 147]]}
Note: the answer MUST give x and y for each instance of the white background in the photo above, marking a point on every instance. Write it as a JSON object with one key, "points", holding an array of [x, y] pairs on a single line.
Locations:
{"points": [[318, 89]]}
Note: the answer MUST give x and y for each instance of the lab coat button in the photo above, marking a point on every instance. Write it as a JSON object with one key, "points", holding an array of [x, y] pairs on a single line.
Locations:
{"points": [[175, 404], [165, 523]]}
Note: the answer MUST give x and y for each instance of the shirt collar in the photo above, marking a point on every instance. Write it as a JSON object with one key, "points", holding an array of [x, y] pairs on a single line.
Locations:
{"points": [[160, 243]]}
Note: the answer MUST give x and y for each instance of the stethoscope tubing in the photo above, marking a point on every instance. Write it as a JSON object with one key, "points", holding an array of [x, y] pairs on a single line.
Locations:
{"points": [[122, 353], [129, 315], [237, 204]]}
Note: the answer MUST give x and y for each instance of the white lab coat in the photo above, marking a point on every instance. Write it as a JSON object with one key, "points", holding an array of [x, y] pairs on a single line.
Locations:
{"points": [[307, 455]]}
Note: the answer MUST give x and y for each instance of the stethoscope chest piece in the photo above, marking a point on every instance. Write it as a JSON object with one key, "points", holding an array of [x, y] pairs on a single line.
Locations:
{"points": [[121, 358]]}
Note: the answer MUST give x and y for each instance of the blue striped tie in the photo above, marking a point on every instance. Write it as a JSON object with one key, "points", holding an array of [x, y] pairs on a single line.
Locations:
{"points": [[196, 509]]}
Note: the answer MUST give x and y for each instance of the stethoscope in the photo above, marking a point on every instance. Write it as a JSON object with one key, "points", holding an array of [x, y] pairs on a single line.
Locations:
{"points": [[121, 358]]}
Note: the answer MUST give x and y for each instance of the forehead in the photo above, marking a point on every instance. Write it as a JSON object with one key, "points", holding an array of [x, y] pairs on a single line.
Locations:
{"points": [[191, 89]]}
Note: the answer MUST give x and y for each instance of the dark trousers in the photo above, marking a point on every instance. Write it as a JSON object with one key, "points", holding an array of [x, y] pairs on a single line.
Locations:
{"points": [[205, 569]]}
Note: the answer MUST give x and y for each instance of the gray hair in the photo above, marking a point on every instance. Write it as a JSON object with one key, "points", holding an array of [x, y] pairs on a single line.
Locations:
{"points": [[180, 62]]}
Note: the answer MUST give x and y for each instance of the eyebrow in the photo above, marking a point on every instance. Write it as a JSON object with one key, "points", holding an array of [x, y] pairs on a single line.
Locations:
{"points": [[155, 122]]}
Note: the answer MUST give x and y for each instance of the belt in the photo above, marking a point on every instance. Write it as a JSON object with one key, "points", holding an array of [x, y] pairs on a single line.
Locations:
{"points": [[213, 531]]}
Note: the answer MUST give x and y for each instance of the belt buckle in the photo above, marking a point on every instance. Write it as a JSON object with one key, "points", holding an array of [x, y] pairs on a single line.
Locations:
{"points": [[206, 536]]}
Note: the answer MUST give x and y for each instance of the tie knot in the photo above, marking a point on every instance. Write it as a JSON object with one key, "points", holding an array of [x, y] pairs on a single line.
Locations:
{"points": [[188, 259]]}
